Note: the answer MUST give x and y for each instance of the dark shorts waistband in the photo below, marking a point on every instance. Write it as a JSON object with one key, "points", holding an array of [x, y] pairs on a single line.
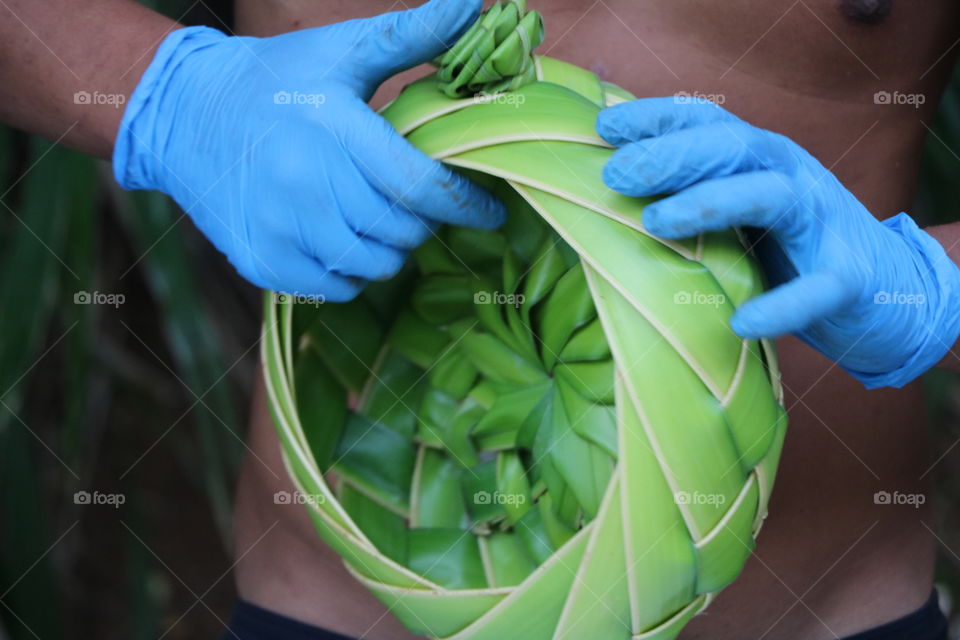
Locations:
{"points": [[250, 622], [926, 623]]}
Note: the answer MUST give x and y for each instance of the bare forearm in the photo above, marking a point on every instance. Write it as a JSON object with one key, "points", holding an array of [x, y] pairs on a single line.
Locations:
{"points": [[67, 67], [948, 235]]}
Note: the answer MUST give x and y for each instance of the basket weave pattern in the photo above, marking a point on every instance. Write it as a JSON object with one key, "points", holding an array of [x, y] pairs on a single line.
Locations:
{"points": [[544, 432]]}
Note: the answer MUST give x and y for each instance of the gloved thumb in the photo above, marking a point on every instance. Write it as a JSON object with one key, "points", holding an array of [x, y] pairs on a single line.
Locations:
{"points": [[794, 306], [397, 41]]}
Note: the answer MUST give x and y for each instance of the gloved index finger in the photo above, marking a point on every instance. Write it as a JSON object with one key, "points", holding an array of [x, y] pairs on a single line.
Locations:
{"points": [[653, 117], [405, 175]]}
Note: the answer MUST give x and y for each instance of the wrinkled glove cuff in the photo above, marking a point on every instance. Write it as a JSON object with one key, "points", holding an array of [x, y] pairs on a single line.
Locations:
{"points": [[141, 138], [941, 328]]}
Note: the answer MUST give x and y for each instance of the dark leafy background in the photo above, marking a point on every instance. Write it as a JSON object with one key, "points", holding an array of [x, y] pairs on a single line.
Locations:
{"points": [[149, 400]]}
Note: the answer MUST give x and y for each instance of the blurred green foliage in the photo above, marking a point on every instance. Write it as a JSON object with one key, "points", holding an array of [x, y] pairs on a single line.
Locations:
{"points": [[938, 202], [157, 382]]}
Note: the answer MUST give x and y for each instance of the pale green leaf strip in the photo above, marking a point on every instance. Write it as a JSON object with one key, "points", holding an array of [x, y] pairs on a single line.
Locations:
{"points": [[293, 440], [671, 628], [543, 592], [278, 385], [584, 467], [655, 525], [577, 79], [587, 345], [386, 530], [766, 472], [514, 486], [436, 500], [722, 553], [598, 605], [448, 612], [499, 362], [536, 112], [620, 256], [751, 408], [509, 564], [688, 430], [737, 273], [286, 329], [614, 94], [556, 179], [773, 368], [420, 103], [357, 552]]}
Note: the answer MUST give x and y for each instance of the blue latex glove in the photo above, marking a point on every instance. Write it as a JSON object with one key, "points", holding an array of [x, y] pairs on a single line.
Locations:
{"points": [[882, 299], [268, 144]]}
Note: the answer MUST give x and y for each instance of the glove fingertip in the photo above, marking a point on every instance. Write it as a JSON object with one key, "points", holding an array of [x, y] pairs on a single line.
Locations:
{"points": [[492, 213], [482, 209], [746, 326], [624, 180], [613, 175], [608, 126], [340, 289], [655, 223]]}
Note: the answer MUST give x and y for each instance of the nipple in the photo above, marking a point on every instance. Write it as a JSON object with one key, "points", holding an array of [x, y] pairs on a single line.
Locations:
{"points": [[866, 11]]}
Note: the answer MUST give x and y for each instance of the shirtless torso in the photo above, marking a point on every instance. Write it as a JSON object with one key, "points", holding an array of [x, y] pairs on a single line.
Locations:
{"points": [[830, 562]]}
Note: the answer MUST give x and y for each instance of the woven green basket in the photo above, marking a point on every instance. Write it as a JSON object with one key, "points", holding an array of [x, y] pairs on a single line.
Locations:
{"points": [[547, 431]]}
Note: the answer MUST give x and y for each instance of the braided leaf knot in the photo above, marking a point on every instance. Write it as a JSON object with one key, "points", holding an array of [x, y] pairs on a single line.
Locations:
{"points": [[495, 54]]}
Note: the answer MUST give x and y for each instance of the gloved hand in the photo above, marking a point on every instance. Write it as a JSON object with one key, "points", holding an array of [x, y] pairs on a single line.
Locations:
{"points": [[880, 298], [268, 144]]}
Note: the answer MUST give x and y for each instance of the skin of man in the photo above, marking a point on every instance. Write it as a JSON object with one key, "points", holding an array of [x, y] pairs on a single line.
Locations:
{"points": [[831, 561]]}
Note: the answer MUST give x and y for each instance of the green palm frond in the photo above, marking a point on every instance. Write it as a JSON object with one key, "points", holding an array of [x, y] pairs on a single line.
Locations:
{"points": [[547, 431]]}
